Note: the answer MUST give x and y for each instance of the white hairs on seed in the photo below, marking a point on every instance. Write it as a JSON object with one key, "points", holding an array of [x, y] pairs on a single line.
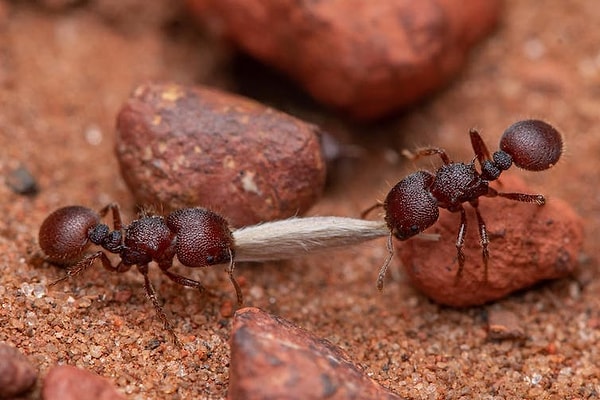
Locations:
{"points": [[296, 237]]}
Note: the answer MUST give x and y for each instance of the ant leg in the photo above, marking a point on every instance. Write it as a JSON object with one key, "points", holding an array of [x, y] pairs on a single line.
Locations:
{"points": [[234, 282], [368, 210], [386, 263], [484, 239], [460, 242], [183, 281], [114, 207], [151, 293], [427, 151], [538, 199], [86, 263], [479, 147]]}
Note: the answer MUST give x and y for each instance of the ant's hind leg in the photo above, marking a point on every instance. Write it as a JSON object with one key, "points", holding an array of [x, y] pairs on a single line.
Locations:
{"points": [[538, 199], [479, 147], [114, 207], [87, 262]]}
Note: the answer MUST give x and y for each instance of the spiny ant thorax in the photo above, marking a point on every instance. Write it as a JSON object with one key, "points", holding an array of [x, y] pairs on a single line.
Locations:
{"points": [[147, 239], [457, 183]]}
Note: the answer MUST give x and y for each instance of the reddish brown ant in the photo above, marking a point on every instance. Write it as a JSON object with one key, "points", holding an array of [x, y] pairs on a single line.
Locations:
{"points": [[197, 236], [413, 204]]}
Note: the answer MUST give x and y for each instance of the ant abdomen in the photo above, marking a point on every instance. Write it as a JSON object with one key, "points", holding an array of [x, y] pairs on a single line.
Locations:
{"points": [[533, 145], [409, 206], [64, 236], [203, 237]]}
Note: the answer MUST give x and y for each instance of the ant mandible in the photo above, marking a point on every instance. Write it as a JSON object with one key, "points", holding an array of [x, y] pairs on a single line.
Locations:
{"points": [[413, 204], [196, 236]]}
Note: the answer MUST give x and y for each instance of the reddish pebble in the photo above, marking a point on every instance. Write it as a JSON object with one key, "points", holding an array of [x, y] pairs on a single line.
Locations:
{"points": [[184, 147], [528, 244], [504, 325], [17, 375], [65, 382], [367, 58], [226, 309], [122, 295], [273, 359]]}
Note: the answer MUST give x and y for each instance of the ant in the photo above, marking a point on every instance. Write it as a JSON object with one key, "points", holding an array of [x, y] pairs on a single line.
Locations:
{"points": [[197, 236], [413, 204]]}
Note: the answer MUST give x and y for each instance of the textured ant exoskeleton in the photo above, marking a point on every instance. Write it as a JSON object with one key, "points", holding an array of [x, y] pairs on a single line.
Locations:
{"points": [[197, 236], [413, 204]]}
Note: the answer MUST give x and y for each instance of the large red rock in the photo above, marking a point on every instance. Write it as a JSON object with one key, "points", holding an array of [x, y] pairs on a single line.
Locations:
{"points": [[366, 58], [273, 359], [181, 146]]}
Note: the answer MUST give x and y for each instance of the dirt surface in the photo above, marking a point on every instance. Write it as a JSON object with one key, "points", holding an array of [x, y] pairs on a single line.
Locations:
{"points": [[64, 75]]}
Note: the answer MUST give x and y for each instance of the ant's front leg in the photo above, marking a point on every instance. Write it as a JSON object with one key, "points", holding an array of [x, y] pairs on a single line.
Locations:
{"points": [[460, 242], [234, 282], [151, 293], [386, 264], [484, 239], [181, 280], [427, 151]]}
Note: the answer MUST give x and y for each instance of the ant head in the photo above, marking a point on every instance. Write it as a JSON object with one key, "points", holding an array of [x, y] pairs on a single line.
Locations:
{"points": [[534, 145], [409, 206], [203, 237], [63, 235]]}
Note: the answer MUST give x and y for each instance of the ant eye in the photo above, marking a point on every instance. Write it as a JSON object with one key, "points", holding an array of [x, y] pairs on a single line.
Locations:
{"points": [[210, 260], [414, 229]]}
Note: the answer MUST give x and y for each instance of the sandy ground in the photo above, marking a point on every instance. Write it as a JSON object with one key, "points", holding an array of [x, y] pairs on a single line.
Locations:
{"points": [[63, 77]]}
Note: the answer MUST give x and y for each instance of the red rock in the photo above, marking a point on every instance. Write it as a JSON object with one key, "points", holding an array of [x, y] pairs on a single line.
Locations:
{"points": [[273, 359], [17, 375], [193, 146], [65, 382], [528, 244], [367, 58]]}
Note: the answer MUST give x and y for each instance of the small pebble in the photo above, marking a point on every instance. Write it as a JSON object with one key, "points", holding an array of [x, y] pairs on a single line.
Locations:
{"points": [[528, 244], [226, 309], [65, 382], [21, 181], [182, 146], [366, 58], [17, 375], [504, 324], [273, 359]]}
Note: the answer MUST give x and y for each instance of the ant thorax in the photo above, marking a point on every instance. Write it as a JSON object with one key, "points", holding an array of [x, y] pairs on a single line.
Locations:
{"points": [[457, 183], [147, 239]]}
